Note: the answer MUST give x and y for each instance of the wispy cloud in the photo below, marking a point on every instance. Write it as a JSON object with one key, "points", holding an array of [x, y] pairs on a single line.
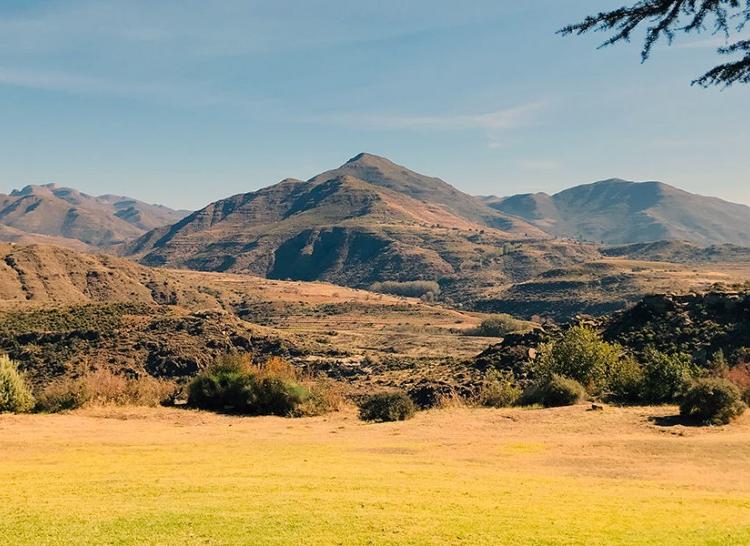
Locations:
{"points": [[188, 94], [497, 120]]}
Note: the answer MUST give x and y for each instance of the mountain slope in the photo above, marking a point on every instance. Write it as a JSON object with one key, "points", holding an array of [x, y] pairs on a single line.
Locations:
{"points": [[368, 220], [55, 211], [620, 212]]}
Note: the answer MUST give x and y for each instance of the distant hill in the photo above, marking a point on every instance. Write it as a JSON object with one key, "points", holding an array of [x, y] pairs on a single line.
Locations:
{"points": [[620, 212], [368, 220], [67, 214]]}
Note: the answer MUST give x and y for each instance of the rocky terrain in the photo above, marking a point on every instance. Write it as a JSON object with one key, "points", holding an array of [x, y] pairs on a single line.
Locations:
{"points": [[696, 324]]}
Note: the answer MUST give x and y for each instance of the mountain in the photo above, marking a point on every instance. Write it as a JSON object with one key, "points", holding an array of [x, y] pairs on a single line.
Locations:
{"points": [[68, 214], [368, 220], [619, 212]]}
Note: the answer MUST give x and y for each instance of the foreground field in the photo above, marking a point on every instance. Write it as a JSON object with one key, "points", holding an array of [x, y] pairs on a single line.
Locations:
{"points": [[135, 476]]}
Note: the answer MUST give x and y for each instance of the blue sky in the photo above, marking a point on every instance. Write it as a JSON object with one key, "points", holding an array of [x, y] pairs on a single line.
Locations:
{"points": [[186, 101]]}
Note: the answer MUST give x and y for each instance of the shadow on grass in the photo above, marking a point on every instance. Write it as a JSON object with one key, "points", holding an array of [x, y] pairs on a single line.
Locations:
{"points": [[673, 421]]}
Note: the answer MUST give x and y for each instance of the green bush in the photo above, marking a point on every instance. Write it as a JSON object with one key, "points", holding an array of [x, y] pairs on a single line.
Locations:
{"points": [[236, 386], [581, 355], [712, 401], [387, 406], [15, 395], [497, 326], [665, 376], [553, 391], [625, 383], [499, 390], [746, 397]]}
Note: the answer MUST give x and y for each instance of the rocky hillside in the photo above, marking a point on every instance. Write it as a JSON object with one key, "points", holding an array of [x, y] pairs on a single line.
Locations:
{"points": [[367, 221], [75, 218], [620, 212], [697, 324]]}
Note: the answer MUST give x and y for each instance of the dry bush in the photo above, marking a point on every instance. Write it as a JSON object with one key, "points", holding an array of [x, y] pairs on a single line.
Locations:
{"points": [[103, 387], [712, 401], [740, 376]]}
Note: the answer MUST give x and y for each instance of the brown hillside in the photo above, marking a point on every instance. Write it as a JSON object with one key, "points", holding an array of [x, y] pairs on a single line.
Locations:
{"points": [[337, 227]]}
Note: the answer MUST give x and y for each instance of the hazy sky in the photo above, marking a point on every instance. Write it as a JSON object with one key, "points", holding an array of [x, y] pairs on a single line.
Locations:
{"points": [[186, 101]]}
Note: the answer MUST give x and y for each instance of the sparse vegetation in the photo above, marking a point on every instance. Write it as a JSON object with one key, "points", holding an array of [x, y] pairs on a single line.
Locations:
{"points": [[387, 406], [409, 289], [553, 391], [712, 401], [102, 387], [15, 395]]}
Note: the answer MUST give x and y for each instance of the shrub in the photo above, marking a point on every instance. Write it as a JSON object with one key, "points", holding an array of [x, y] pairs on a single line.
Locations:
{"points": [[499, 390], [234, 384], [103, 387], [581, 355], [15, 395], [387, 406], [497, 326], [553, 391], [665, 376], [410, 289], [712, 401]]}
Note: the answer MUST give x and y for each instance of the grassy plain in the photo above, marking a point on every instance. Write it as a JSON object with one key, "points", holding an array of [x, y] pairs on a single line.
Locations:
{"points": [[457, 476]]}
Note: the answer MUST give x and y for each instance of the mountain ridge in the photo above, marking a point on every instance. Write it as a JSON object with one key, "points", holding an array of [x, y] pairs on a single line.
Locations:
{"points": [[617, 211]]}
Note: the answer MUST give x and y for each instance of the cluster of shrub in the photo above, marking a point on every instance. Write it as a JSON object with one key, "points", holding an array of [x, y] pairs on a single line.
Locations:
{"points": [[497, 326], [233, 384], [427, 290], [581, 365]]}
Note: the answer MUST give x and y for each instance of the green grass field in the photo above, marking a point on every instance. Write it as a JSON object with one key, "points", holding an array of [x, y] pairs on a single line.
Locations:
{"points": [[566, 476]]}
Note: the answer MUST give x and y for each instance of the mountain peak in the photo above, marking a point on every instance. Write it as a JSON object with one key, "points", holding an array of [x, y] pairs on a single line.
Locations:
{"points": [[365, 158]]}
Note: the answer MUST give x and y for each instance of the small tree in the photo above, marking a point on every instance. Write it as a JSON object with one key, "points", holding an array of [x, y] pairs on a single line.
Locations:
{"points": [[665, 376], [15, 395], [581, 355]]}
